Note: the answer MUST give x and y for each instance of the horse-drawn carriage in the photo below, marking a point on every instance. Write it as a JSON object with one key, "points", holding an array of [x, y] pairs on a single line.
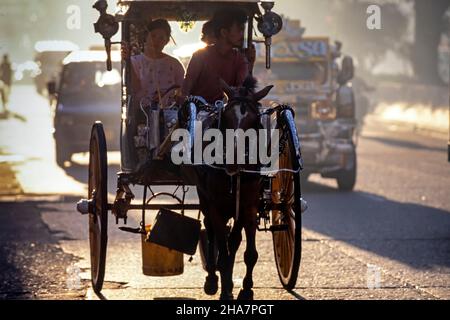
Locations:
{"points": [[278, 194]]}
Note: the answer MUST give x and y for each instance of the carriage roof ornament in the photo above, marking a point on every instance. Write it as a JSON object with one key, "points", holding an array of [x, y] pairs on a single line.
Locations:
{"points": [[269, 24], [107, 26]]}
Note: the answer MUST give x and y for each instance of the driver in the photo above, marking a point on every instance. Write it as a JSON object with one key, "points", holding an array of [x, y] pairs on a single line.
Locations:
{"points": [[219, 60], [154, 73]]}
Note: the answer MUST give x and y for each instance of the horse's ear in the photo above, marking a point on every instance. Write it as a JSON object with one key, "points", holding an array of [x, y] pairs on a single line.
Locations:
{"points": [[226, 88], [262, 94]]}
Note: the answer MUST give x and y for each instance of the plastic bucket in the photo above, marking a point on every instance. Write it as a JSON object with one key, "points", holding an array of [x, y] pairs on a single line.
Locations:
{"points": [[160, 261]]}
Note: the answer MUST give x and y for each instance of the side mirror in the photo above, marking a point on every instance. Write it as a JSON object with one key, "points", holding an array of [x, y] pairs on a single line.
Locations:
{"points": [[347, 71], [51, 88]]}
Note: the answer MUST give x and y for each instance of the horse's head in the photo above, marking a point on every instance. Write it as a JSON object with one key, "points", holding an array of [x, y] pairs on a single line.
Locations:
{"points": [[241, 114]]}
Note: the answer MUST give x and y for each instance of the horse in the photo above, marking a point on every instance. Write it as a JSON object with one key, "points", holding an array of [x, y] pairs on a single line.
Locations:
{"points": [[228, 192]]}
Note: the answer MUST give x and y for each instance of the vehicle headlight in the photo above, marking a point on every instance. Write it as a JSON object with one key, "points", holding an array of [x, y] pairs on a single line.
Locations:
{"points": [[323, 110]]}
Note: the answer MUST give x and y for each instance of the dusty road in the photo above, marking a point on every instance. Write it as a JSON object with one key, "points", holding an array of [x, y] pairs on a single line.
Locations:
{"points": [[391, 233]]}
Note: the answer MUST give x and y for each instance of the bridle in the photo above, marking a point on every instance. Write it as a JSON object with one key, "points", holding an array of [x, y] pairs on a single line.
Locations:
{"points": [[219, 111], [244, 102]]}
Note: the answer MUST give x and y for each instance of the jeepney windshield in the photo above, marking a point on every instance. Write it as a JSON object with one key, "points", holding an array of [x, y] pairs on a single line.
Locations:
{"points": [[294, 71], [90, 79]]}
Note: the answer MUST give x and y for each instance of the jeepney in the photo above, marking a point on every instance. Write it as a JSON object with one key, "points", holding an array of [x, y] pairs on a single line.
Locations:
{"points": [[307, 75]]}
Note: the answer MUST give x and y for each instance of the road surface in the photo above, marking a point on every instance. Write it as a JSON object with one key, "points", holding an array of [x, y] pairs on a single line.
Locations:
{"points": [[389, 239]]}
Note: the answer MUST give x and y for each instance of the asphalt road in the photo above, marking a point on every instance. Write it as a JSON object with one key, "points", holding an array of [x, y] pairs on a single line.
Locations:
{"points": [[389, 239]]}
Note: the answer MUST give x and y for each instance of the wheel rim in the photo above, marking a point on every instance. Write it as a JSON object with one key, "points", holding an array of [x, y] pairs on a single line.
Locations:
{"points": [[95, 225], [283, 192], [286, 195], [98, 217]]}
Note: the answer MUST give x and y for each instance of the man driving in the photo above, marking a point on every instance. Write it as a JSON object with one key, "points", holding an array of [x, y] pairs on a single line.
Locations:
{"points": [[220, 60]]}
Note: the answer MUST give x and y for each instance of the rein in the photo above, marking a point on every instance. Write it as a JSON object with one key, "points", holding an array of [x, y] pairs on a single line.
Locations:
{"points": [[218, 110]]}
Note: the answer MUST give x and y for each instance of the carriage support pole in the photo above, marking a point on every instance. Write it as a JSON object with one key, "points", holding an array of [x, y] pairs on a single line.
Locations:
{"points": [[250, 37]]}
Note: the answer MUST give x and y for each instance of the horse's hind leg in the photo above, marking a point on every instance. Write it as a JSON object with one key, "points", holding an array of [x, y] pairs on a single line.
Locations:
{"points": [[250, 258]]}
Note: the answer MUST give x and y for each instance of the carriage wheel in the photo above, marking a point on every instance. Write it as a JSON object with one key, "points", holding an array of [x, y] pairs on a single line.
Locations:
{"points": [[98, 218], [287, 237]]}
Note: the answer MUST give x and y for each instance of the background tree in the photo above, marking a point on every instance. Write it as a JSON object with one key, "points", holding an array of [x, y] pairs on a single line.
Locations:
{"points": [[370, 47], [429, 26]]}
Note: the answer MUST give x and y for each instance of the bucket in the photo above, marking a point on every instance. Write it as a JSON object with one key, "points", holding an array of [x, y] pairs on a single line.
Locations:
{"points": [[160, 261], [175, 231]]}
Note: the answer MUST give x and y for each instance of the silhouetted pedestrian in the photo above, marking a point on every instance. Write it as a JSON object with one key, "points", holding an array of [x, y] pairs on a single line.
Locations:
{"points": [[5, 81]]}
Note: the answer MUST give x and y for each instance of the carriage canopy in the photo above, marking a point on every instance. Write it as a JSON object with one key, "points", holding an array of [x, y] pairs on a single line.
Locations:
{"points": [[186, 10]]}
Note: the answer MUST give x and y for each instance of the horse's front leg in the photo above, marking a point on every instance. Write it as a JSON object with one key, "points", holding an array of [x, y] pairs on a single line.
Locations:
{"points": [[225, 267], [224, 259], [250, 259], [211, 284], [234, 241], [212, 280]]}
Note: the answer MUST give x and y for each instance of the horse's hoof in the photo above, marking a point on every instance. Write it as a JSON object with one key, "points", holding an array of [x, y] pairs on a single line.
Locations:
{"points": [[245, 294], [226, 296], [211, 285]]}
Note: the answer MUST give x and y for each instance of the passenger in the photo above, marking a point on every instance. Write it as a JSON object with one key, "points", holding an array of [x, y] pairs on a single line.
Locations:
{"points": [[155, 73], [220, 60]]}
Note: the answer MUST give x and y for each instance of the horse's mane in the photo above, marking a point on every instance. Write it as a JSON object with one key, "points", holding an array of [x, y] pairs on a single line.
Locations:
{"points": [[250, 83], [248, 86]]}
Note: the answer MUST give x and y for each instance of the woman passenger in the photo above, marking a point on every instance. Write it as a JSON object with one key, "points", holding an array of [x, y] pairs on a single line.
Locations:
{"points": [[155, 73]]}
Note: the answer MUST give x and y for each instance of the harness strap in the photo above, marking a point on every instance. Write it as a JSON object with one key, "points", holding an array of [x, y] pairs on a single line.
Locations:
{"points": [[238, 195]]}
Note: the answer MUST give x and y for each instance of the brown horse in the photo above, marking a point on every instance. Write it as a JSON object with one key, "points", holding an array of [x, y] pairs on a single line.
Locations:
{"points": [[220, 189]]}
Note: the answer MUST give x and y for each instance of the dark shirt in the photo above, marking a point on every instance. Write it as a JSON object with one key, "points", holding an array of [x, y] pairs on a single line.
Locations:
{"points": [[208, 66]]}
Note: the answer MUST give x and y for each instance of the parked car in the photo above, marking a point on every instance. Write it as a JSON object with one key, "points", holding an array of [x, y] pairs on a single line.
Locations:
{"points": [[86, 93]]}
